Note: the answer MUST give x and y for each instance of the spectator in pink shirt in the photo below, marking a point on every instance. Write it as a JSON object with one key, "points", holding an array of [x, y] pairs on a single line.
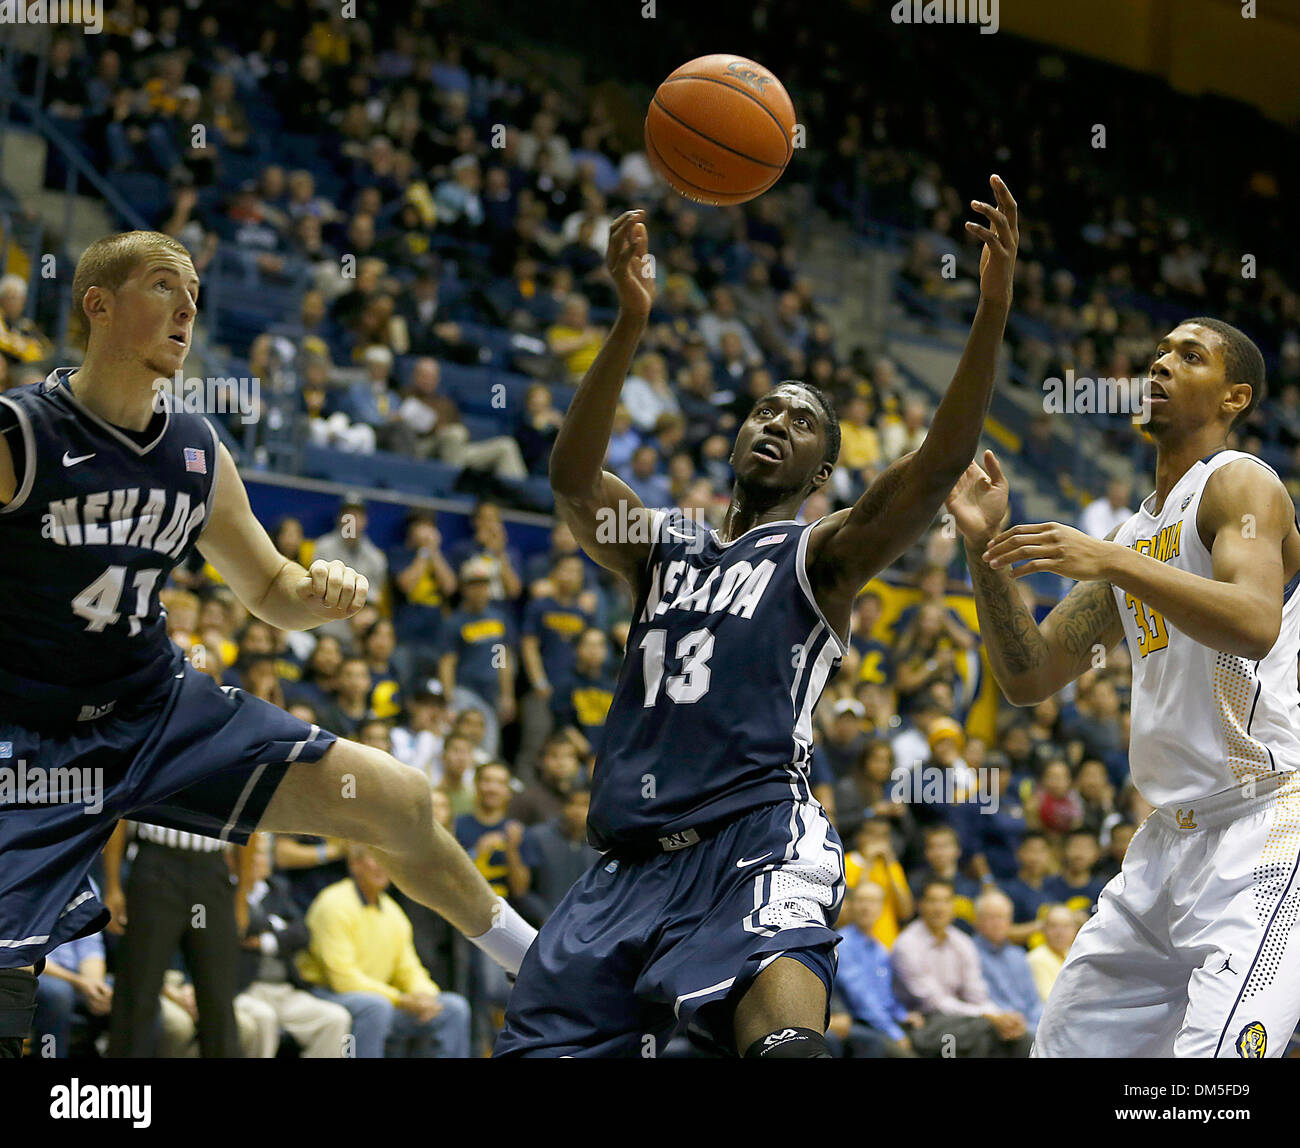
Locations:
{"points": [[937, 970]]}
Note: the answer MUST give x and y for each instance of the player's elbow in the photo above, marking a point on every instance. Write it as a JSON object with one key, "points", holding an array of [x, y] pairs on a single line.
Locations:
{"points": [[569, 479], [1258, 632], [1023, 692], [1258, 645]]}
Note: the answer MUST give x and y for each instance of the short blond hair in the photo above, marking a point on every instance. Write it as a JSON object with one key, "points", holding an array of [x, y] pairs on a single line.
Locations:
{"points": [[109, 262]]}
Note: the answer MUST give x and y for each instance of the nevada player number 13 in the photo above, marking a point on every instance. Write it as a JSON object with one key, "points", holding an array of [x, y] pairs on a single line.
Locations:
{"points": [[694, 651]]}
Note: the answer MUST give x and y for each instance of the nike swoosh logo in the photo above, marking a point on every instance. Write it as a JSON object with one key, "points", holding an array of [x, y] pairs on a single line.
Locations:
{"points": [[745, 863], [678, 534], [68, 460]]}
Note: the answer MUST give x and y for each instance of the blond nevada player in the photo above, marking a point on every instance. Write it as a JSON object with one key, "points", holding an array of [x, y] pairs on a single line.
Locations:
{"points": [[1193, 949]]}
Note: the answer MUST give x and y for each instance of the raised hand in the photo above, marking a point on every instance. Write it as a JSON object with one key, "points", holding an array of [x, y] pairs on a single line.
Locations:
{"points": [[1054, 547], [629, 264], [978, 502], [1001, 242]]}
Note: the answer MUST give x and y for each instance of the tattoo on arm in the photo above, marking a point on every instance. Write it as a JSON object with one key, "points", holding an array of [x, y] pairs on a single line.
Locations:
{"points": [[1084, 619], [1008, 628]]}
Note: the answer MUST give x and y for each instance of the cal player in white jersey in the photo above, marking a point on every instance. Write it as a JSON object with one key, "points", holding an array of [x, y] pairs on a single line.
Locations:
{"points": [[1194, 949]]}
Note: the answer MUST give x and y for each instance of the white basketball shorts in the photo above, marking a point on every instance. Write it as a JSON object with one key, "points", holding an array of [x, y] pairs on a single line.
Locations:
{"points": [[1194, 950]]}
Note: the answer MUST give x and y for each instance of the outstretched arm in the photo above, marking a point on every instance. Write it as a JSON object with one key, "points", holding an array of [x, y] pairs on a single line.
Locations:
{"points": [[851, 546], [605, 515], [1244, 517]]}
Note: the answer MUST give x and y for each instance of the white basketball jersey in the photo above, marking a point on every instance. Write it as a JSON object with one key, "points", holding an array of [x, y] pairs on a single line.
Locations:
{"points": [[1202, 720]]}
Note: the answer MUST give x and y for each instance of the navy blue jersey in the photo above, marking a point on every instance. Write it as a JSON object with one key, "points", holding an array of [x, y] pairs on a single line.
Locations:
{"points": [[94, 529], [726, 657]]}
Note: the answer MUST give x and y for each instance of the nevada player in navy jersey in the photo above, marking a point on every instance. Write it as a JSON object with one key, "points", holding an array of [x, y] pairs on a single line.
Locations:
{"points": [[713, 904], [103, 491]]}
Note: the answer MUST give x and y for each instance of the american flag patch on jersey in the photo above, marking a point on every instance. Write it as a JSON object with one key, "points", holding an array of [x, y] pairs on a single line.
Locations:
{"points": [[196, 460], [770, 540]]}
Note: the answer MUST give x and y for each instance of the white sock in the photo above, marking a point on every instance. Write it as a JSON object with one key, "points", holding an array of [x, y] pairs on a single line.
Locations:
{"points": [[508, 939]]}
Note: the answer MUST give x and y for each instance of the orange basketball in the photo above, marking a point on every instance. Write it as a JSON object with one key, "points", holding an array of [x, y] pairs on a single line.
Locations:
{"points": [[720, 129]]}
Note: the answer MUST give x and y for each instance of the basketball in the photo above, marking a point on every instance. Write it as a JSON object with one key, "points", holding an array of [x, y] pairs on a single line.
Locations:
{"points": [[720, 129]]}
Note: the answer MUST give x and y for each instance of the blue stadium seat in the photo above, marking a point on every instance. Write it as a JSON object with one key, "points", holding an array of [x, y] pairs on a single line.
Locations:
{"points": [[484, 426], [382, 470], [148, 194], [299, 150]]}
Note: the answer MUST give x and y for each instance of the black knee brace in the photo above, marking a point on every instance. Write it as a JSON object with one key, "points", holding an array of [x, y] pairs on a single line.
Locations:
{"points": [[17, 1010], [790, 1044]]}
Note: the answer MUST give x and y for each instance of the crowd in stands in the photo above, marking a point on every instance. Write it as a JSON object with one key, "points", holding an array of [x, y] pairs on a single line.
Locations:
{"points": [[432, 206]]}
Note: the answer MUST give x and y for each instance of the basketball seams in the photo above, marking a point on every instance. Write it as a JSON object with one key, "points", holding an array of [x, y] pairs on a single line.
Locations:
{"points": [[720, 198], [780, 127]]}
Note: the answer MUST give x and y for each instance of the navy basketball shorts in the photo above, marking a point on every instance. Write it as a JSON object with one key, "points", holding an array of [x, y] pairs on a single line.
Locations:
{"points": [[642, 947], [197, 757]]}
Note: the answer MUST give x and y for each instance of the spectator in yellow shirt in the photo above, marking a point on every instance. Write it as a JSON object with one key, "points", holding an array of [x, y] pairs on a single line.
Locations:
{"points": [[573, 338], [874, 860], [362, 955], [1059, 929], [859, 442], [21, 341]]}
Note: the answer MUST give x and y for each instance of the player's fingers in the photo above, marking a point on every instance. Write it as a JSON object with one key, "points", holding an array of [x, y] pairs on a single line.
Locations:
{"points": [[360, 592], [1005, 199], [1031, 568], [1016, 536], [982, 233], [996, 217], [994, 467], [617, 229], [1008, 534], [347, 585], [334, 584], [618, 244], [630, 214], [320, 573], [622, 226], [1041, 553]]}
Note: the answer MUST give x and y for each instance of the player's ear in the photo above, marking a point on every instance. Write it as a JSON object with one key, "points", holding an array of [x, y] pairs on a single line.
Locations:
{"points": [[96, 303], [1239, 396]]}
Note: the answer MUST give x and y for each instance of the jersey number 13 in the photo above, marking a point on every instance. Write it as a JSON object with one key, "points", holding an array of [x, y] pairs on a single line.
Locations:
{"points": [[693, 651]]}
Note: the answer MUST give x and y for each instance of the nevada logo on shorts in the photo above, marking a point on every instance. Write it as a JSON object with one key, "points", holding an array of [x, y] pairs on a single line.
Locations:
{"points": [[1252, 1041]]}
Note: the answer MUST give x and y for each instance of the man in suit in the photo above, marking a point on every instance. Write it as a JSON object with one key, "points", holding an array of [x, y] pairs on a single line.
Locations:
{"points": [[269, 983]]}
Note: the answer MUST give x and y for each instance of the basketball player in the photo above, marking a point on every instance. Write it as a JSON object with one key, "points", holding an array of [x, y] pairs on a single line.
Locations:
{"points": [[1193, 948], [721, 877], [102, 492]]}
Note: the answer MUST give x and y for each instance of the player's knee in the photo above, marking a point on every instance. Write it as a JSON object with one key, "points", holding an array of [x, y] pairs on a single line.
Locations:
{"points": [[790, 1044], [401, 807], [411, 790]]}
